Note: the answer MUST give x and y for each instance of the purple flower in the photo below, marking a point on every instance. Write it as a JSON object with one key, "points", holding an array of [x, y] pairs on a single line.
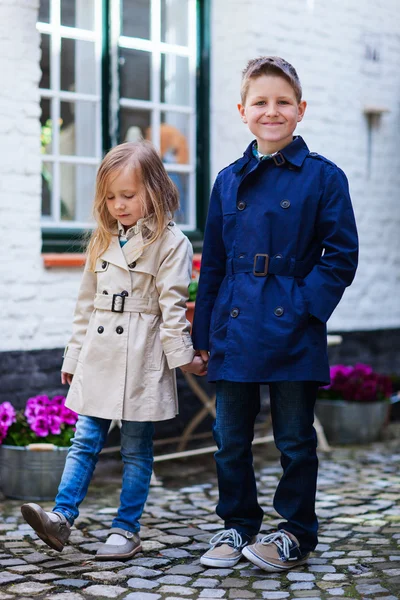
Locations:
{"points": [[7, 414], [55, 424], [3, 432], [69, 417], [357, 384], [59, 400], [40, 427]]}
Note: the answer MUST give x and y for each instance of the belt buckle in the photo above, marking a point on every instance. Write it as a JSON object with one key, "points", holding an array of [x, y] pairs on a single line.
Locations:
{"points": [[113, 308], [266, 263]]}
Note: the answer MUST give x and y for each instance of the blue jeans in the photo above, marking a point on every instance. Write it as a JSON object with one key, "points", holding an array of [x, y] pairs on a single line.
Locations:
{"points": [[292, 412], [137, 457]]}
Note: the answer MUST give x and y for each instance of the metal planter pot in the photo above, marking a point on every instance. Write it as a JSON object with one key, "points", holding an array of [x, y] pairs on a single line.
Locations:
{"points": [[31, 472], [352, 422]]}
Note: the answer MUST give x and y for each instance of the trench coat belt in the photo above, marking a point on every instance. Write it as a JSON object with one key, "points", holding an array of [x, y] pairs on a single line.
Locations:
{"points": [[262, 265], [141, 305]]}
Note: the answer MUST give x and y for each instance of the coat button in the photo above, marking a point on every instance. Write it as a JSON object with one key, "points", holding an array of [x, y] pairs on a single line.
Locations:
{"points": [[285, 203], [234, 312], [104, 264], [241, 205], [278, 312], [100, 329], [119, 329], [132, 265], [105, 292], [241, 255], [124, 293]]}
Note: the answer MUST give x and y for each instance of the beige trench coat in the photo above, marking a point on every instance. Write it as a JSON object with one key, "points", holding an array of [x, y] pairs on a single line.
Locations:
{"points": [[124, 362]]}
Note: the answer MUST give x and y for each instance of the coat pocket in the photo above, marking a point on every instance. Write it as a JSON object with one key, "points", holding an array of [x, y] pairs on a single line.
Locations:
{"points": [[154, 350]]}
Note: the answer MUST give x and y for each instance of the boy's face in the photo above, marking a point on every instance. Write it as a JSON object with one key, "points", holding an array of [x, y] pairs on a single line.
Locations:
{"points": [[271, 112]]}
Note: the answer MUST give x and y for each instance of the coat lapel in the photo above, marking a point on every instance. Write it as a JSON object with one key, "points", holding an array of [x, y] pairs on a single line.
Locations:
{"points": [[133, 248], [114, 254]]}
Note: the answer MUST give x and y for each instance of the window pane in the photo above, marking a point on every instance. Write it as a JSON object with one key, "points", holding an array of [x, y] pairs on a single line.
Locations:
{"points": [[47, 185], [134, 72], [77, 184], [78, 128], [175, 82], [46, 131], [181, 180], [78, 13], [45, 61], [133, 124], [135, 15], [78, 66], [174, 22], [174, 134], [44, 11]]}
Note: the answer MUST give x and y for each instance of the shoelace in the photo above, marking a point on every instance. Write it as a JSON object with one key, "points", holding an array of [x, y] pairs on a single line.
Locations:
{"points": [[227, 536], [281, 540]]}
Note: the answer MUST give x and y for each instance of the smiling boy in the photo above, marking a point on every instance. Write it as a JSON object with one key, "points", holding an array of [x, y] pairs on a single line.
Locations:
{"points": [[280, 247]]}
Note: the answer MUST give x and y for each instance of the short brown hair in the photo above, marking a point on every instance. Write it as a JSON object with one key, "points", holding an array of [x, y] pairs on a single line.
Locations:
{"points": [[270, 65]]}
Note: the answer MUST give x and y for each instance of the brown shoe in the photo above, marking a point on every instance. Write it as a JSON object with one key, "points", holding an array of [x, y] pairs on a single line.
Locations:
{"points": [[278, 551], [122, 552], [53, 528], [226, 549]]}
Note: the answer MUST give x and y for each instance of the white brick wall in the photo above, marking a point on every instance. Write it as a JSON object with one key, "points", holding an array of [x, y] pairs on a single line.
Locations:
{"points": [[325, 41], [35, 305]]}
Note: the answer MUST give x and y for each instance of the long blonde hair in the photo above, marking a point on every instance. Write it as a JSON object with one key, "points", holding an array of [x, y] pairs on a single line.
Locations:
{"points": [[161, 199]]}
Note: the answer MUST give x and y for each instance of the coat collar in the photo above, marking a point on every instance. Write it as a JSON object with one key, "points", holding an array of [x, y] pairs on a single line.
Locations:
{"points": [[295, 153], [114, 254]]}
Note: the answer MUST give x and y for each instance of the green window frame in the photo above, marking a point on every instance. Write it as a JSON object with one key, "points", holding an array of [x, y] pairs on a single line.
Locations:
{"points": [[63, 238]]}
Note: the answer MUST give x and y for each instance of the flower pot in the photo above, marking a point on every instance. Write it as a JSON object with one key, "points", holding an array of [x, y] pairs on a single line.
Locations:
{"points": [[31, 472], [352, 422]]}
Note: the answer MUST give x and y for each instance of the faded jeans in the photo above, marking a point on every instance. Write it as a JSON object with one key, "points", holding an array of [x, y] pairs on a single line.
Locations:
{"points": [[137, 457]]}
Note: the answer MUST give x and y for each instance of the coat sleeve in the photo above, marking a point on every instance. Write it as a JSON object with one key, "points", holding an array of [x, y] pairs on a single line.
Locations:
{"points": [[83, 310], [212, 273], [336, 230], [172, 282]]}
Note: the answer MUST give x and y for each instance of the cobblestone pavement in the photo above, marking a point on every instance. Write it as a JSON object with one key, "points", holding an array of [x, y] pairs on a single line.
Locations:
{"points": [[358, 555]]}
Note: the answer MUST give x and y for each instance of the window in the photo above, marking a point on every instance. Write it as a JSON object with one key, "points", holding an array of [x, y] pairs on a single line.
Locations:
{"points": [[113, 71]]}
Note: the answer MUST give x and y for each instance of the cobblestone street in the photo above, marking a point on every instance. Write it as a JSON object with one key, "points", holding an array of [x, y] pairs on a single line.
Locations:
{"points": [[358, 555]]}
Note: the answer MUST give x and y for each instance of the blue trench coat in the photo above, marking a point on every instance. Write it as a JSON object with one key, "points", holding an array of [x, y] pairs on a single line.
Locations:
{"points": [[280, 247]]}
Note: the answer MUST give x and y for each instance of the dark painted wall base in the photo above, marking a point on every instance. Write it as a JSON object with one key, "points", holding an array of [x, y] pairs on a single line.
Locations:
{"points": [[26, 374]]}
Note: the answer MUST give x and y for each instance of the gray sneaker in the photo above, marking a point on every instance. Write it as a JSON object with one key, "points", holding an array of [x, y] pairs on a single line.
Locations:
{"points": [[226, 549], [53, 528], [122, 552]]}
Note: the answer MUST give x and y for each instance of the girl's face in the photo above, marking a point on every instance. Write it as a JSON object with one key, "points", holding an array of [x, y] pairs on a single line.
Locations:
{"points": [[125, 197]]}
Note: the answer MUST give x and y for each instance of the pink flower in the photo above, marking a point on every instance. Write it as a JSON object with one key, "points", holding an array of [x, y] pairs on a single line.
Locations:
{"points": [[358, 383], [69, 417], [54, 424], [59, 400], [40, 427], [7, 414], [3, 432]]}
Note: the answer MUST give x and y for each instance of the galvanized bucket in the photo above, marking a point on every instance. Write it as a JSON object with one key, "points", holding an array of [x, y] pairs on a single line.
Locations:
{"points": [[352, 422], [31, 472]]}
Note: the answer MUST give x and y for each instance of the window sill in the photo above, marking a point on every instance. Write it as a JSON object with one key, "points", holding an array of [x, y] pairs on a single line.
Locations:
{"points": [[63, 260]]}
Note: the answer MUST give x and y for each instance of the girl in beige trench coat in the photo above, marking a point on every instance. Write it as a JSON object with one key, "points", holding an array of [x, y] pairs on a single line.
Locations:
{"points": [[129, 334]]}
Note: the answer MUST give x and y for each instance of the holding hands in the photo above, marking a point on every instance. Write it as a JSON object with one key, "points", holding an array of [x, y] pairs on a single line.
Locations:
{"points": [[199, 364]]}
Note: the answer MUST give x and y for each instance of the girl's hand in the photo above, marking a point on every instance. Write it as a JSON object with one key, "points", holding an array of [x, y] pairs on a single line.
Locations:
{"points": [[197, 367], [204, 355], [66, 378]]}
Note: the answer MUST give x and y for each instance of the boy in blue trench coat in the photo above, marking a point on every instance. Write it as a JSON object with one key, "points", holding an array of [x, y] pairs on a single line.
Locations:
{"points": [[280, 247]]}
